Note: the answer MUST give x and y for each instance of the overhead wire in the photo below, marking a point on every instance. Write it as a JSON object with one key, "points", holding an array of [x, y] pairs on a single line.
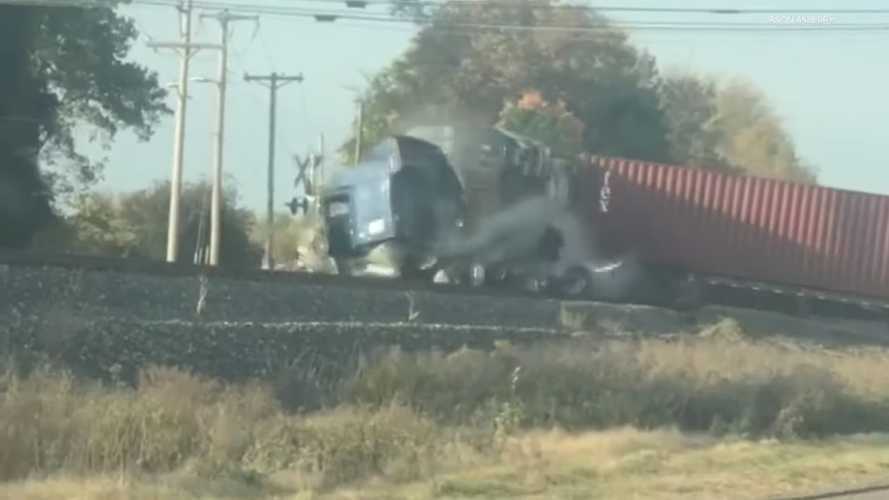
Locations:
{"points": [[502, 3], [665, 26], [279, 10]]}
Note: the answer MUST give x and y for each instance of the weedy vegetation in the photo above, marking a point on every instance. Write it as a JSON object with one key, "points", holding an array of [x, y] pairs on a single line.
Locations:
{"points": [[701, 415]]}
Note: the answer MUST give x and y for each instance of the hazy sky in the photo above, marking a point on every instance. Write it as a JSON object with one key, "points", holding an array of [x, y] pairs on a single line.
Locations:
{"points": [[830, 88]]}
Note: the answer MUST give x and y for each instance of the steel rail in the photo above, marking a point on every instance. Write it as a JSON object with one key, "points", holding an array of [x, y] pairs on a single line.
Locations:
{"points": [[847, 492], [161, 268]]}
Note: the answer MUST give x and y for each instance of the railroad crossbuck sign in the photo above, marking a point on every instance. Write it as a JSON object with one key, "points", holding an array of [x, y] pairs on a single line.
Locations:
{"points": [[305, 178]]}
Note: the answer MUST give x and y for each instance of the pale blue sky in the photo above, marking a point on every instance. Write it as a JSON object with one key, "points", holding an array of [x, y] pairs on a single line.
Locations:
{"points": [[830, 89]]}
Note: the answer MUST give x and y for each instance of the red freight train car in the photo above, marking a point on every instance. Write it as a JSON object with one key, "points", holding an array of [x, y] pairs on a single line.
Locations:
{"points": [[748, 228]]}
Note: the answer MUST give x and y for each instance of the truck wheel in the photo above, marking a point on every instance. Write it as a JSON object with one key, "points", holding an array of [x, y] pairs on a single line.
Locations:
{"points": [[343, 267], [576, 282], [476, 275]]}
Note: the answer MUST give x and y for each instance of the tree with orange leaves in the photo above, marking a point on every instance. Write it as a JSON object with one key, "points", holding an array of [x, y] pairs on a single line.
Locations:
{"points": [[550, 123]]}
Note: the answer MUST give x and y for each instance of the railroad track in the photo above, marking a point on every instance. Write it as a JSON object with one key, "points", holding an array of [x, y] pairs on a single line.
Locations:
{"points": [[160, 268], [77, 262], [876, 491]]}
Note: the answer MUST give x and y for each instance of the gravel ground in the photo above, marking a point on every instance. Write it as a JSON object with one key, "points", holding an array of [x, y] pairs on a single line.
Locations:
{"points": [[104, 322], [102, 293]]}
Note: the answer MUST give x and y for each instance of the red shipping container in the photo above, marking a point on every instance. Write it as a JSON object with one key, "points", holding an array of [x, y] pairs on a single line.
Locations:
{"points": [[749, 228]]}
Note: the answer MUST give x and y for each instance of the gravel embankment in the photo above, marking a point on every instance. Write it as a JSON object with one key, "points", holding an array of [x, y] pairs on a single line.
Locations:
{"points": [[97, 320]]}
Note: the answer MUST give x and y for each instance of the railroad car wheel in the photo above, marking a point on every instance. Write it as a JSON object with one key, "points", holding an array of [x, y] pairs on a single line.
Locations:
{"points": [[691, 292]]}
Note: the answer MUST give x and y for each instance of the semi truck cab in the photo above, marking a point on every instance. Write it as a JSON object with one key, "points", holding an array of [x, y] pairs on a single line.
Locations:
{"points": [[403, 194]]}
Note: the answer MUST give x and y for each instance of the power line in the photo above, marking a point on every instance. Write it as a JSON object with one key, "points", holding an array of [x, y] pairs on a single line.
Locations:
{"points": [[447, 31], [290, 11], [506, 4], [605, 8], [606, 28]]}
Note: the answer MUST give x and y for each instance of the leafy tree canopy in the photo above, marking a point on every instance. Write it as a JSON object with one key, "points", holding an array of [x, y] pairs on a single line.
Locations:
{"points": [[453, 77], [595, 82], [551, 124], [753, 137], [63, 67], [729, 125], [135, 225]]}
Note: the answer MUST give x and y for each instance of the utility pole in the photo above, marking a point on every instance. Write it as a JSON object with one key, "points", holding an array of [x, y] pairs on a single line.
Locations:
{"points": [[360, 129], [276, 81], [186, 50], [318, 176], [224, 18]]}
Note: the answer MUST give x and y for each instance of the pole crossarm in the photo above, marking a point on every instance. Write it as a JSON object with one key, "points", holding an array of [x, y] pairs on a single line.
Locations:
{"points": [[225, 16], [187, 46], [274, 77]]}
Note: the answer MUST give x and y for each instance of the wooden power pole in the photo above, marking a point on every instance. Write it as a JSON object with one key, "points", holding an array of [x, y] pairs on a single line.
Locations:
{"points": [[224, 17], [186, 49], [275, 81]]}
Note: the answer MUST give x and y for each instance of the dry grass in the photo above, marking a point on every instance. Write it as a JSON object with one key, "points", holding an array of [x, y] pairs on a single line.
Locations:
{"points": [[619, 463], [717, 381], [628, 463], [560, 421]]}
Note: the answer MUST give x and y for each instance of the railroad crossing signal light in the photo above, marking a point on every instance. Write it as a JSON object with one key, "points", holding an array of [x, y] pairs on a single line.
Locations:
{"points": [[298, 204]]}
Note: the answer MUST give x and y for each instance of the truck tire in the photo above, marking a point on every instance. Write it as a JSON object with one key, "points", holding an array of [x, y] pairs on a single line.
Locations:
{"points": [[344, 266], [476, 275], [577, 282]]}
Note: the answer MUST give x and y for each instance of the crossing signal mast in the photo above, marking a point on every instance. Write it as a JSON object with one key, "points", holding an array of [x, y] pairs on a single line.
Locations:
{"points": [[309, 177]]}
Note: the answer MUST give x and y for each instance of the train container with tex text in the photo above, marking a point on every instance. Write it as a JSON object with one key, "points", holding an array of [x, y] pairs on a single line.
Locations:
{"points": [[809, 239]]}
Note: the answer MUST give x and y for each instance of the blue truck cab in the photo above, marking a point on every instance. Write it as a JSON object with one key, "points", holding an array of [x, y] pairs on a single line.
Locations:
{"points": [[402, 193]]}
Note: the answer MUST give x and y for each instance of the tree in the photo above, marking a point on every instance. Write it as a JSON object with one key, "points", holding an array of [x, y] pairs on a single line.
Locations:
{"points": [[100, 228], [689, 103], [465, 78], [135, 225], [729, 126], [147, 211], [62, 67], [752, 136], [299, 241], [551, 124]]}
